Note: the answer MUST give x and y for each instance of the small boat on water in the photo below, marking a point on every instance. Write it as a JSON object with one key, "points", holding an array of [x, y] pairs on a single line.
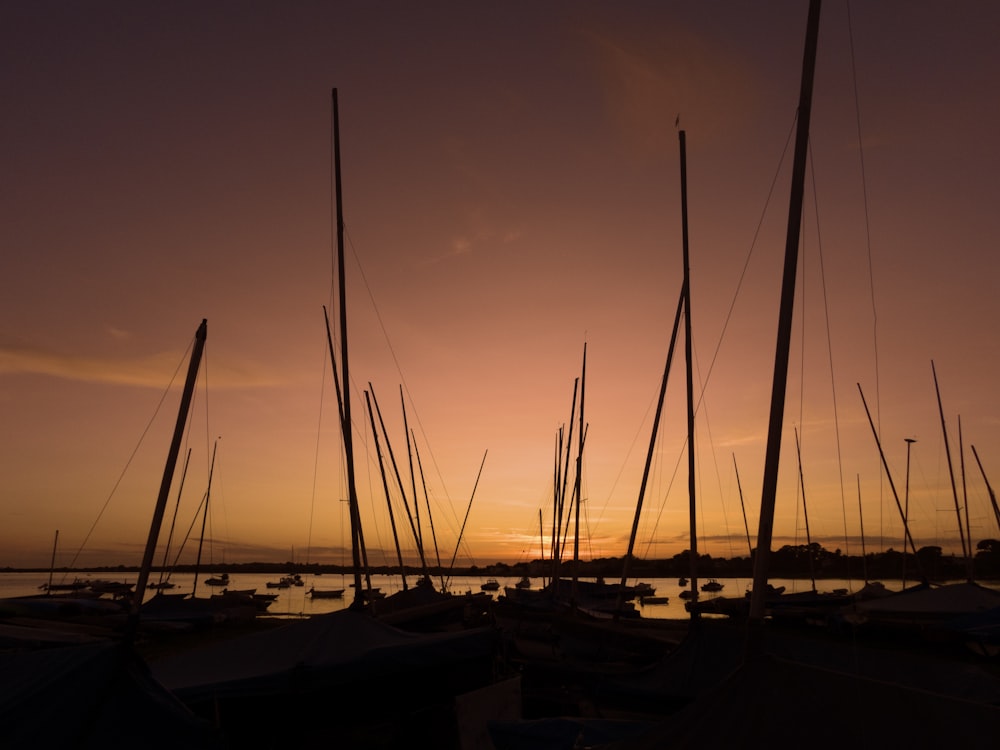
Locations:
{"points": [[682, 581], [219, 580], [492, 584], [114, 588], [76, 585], [325, 594], [644, 600], [282, 584], [712, 585], [524, 583], [161, 585]]}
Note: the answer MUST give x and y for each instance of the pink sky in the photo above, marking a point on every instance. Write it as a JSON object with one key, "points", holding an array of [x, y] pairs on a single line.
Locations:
{"points": [[511, 192]]}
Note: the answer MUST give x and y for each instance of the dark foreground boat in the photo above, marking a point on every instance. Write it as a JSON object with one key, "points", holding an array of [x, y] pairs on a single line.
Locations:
{"points": [[771, 701], [362, 676], [97, 695]]}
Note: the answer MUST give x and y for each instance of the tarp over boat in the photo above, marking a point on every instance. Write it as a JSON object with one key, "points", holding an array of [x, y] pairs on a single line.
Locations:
{"points": [[716, 649], [931, 602], [356, 672], [773, 702], [339, 648]]}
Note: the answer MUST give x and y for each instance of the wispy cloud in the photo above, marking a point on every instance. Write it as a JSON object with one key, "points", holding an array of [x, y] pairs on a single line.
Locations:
{"points": [[147, 371], [151, 371]]}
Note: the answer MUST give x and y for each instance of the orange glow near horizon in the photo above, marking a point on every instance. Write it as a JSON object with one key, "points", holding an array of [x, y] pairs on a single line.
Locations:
{"points": [[511, 193]]}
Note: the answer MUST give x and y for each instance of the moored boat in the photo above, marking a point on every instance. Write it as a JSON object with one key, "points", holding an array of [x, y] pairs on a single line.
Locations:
{"points": [[315, 593]]}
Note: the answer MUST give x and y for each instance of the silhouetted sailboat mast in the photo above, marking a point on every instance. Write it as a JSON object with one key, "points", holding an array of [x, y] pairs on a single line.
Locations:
{"points": [[430, 517], [966, 551], [578, 488], [743, 507], [805, 514], [683, 308], [787, 306], [413, 482], [989, 487], [688, 369], [385, 488], [399, 483], [892, 486], [168, 474], [345, 391]]}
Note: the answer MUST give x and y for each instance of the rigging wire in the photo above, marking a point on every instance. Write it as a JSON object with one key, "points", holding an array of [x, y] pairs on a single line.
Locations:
{"points": [[319, 432], [399, 370], [750, 251], [218, 496], [868, 242], [833, 380], [452, 520], [131, 457]]}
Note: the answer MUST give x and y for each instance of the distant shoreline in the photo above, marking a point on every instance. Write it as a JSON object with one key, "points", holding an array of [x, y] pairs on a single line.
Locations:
{"points": [[608, 568]]}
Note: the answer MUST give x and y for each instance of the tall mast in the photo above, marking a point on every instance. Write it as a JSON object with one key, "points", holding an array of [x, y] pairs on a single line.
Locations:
{"points": [[556, 528], [385, 488], [345, 425], [951, 473], [541, 541], [413, 476], [461, 532], [430, 518], [168, 474], [52, 565], [965, 498], [769, 488], [683, 308], [743, 507], [578, 490], [989, 488], [892, 486], [561, 494], [805, 513], [861, 521], [686, 295], [399, 481]]}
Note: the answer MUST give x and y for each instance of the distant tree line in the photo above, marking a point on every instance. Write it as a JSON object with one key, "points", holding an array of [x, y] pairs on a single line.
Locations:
{"points": [[790, 561], [793, 561]]}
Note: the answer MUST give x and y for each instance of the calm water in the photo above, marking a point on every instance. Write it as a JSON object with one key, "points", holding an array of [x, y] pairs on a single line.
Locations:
{"points": [[295, 601]]}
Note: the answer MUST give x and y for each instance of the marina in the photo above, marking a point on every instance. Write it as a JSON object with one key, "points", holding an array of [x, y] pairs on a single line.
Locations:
{"points": [[607, 623]]}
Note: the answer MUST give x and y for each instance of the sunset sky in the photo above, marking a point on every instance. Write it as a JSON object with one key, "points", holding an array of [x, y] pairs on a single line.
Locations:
{"points": [[511, 193]]}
